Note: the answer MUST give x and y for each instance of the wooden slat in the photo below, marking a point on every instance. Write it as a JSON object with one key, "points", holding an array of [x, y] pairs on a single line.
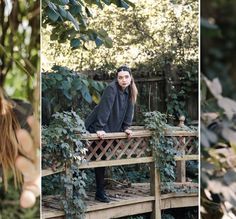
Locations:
{"points": [[104, 150], [114, 204], [47, 172], [110, 163], [125, 148], [184, 145], [187, 157], [180, 133], [94, 150], [121, 211], [178, 200], [134, 148], [143, 149], [93, 164], [114, 149], [117, 135], [136, 134], [191, 148]]}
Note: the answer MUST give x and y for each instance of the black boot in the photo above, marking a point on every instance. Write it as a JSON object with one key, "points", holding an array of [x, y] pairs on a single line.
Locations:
{"points": [[100, 193]]}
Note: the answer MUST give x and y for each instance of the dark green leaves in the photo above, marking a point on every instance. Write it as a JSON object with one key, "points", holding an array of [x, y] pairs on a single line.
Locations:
{"points": [[62, 146], [75, 43], [66, 89], [52, 13], [72, 13], [85, 93], [98, 41], [122, 3]]}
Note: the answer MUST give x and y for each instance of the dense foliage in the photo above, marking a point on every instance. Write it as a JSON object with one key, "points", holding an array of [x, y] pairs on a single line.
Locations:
{"points": [[218, 135], [65, 90], [162, 147], [164, 151], [154, 31], [62, 148], [74, 15]]}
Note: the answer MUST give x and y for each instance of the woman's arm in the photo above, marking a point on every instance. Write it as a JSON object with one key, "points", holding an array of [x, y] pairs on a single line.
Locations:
{"points": [[128, 116]]}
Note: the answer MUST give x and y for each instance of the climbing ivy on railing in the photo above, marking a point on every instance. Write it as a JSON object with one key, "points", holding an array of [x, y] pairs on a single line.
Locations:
{"points": [[164, 150], [162, 147], [62, 148]]}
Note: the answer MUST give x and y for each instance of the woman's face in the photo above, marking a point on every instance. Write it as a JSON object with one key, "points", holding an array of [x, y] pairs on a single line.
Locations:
{"points": [[124, 79]]}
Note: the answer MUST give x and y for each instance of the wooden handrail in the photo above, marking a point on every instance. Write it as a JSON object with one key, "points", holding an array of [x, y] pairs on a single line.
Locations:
{"points": [[138, 133]]}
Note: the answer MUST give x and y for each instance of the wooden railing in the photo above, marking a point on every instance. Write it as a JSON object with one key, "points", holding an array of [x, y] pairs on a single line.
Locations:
{"points": [[116, 149]]}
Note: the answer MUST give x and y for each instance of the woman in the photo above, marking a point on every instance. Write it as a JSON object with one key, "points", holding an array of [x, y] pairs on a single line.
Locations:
{"points": [[113, 114], [17, 148]]}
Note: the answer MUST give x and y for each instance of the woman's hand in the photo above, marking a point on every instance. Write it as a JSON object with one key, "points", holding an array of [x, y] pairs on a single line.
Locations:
{"points": [[101, 134], [29, 164], [129, 132]]}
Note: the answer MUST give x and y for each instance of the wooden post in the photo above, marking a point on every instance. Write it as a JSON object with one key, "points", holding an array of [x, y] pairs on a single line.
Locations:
{"points": [[155, 186], [181, 171], [181, 165], [69, 188]]}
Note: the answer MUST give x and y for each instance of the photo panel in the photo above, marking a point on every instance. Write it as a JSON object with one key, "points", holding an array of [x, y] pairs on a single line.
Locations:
{"points": [[218, 108], [19, 109], [120, 109]]}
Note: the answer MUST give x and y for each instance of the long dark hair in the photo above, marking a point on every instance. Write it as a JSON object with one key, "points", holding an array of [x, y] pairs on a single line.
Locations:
{"points": [[132, 88], [9, 146]]}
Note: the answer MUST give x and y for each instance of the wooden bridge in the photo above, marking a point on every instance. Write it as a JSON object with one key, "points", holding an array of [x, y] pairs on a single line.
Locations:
{"points": [[139, 197]]}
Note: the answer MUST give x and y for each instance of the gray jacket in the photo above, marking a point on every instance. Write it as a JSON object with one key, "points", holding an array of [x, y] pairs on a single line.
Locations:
{"points": [[114, 113]]}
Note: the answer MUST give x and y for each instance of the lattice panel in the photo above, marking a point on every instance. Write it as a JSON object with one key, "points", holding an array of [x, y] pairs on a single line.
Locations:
{"points": [[110, 149], [187, 144]]}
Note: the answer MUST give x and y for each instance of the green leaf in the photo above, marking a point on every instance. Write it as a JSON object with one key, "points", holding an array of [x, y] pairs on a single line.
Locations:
{"points": [[102, 33], [85, 82], [69, 16], [130, 3], [86, 95], [76, 84], [124, 4], [65, 85], [107, 2], [82, 20], [75, 43], [52, 14], [64, 2], [108, 42], [75, 9], [98, 41]]}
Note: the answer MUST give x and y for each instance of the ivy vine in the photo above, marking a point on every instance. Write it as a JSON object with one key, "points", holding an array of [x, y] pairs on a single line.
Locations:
{"points": [[162, 147], [62, 147], [164, 151]]}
